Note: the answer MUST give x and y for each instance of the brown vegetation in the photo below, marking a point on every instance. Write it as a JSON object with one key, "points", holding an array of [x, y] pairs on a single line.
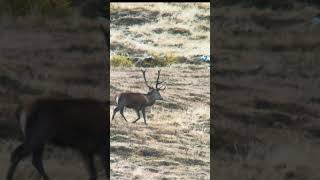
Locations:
{"points": [[176, 143], [266, 118]]}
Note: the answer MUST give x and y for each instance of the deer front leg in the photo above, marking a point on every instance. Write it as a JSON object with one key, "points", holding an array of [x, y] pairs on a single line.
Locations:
{"points": [[37, 162], [121, 112], [144, 115], [18, 154], [137, 111]]}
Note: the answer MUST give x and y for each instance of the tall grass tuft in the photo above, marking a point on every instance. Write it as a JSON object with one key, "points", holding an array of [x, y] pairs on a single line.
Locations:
{"points": [[119, 60]]}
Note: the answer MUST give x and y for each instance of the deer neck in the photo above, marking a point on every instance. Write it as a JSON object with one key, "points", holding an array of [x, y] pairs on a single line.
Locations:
{"points": [[150, 100]]}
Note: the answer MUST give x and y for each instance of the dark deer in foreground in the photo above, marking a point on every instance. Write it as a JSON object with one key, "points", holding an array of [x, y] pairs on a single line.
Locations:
{"points": [[80, 124], [138, 101]]}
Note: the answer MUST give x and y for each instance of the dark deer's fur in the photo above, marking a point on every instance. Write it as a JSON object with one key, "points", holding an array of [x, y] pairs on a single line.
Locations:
{"points": [[80, 124], [138, 101]]}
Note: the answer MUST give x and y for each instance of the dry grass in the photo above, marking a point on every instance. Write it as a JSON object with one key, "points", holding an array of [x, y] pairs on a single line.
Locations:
{"points": [[176, 143], [266, 99], [179, 28]]}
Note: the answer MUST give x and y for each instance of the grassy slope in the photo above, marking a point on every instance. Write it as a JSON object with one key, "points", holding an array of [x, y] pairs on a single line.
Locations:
{"points": [[176, 142], [183, 30], [175, 145], [267, 92]]}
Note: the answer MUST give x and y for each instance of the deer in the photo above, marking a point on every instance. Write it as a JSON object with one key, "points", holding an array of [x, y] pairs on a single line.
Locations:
{"points": [[139, 101], [77, 123]]}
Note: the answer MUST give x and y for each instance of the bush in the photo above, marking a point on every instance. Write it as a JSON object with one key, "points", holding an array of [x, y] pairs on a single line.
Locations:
{"points": [[159, 60], [36, 7], [154, 60], [119, 60]]}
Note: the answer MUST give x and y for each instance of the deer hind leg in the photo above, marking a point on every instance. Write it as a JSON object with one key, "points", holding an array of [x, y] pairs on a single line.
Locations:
{"points": [[89, 161], [121, 112], [17, 155], [115, 111], [137, 111], [38, 163], [105, 159]]}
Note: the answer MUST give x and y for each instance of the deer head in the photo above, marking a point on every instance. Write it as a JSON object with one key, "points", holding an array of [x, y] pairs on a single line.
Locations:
{"points": [[154, 91]]}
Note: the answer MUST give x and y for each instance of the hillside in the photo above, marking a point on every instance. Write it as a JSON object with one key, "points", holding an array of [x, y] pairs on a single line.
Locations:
{"points": [[266, 117], [160, 28], [176, 142]]}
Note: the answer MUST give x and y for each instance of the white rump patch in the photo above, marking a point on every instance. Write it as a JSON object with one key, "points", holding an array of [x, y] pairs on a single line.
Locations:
{"points": [[23, 122], [117, 100]]}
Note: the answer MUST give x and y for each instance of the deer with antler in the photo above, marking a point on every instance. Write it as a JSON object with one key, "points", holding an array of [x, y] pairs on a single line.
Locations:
{"points": [[139, 101]]}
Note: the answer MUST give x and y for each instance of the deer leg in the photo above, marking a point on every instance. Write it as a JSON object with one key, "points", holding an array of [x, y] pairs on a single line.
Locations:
{"points": [[89, 161], [105, 160], [37, 162], [121, 112], [17, 155], [115, 111], [144, 115], [137, 111]]}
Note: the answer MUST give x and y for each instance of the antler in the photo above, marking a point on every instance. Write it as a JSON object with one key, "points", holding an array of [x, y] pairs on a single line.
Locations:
{"points": [[157, 83], [145, 80]]}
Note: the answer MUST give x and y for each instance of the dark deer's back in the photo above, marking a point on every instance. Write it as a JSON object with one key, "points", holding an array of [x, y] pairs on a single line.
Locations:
{"points": [[79, 123], [132, 100]]}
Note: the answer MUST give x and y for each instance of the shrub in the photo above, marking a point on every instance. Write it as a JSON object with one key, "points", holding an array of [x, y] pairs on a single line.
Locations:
{"points": [[159, 60], [119, 60]]}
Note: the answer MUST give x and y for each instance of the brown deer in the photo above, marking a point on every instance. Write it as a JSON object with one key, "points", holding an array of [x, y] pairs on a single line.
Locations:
{"points": [[138, 101], [80, 124]]}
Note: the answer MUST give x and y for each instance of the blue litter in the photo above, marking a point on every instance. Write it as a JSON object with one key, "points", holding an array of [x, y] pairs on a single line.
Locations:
{"points": [[205, 58]]}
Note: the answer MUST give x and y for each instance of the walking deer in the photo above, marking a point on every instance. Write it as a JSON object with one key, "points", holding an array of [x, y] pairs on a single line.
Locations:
{"points": [[138, 101], [80, 124]]}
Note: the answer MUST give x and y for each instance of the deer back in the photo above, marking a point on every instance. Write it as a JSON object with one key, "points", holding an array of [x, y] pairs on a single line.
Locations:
{"points": [[73, 122], [132, 100]]}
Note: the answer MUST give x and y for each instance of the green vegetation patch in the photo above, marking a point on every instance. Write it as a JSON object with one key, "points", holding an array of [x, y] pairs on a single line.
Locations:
{"points": [[119, 60], [155, 60], [159, 60]]}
